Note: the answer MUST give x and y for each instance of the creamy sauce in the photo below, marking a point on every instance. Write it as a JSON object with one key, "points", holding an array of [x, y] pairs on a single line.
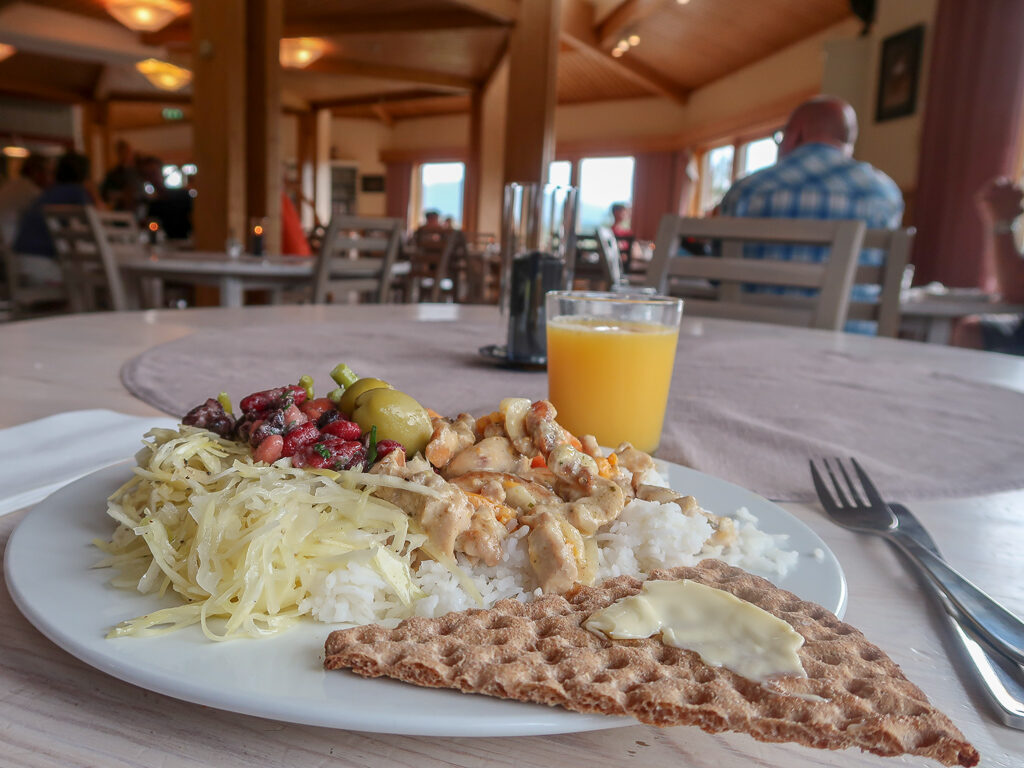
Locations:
{"points": [[723, 629]]}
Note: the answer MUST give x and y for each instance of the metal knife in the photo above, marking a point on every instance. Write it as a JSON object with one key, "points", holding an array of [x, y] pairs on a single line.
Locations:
{"points": [[1000, 679]]}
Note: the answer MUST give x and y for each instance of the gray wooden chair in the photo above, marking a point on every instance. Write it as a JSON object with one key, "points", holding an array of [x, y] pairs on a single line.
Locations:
{"points": [[358, 256], [433, 266], [611, 257], [87, 258], [724, 276], [883, 308], [20, 299]]}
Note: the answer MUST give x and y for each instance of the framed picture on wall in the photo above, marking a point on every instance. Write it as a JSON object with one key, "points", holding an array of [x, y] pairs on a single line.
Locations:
{"points": [[899, 74]]}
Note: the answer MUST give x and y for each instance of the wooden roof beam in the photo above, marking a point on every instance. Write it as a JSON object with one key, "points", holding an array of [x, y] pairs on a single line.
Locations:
{"points": [[339, 66], [504, 11], [179, 32], [369, 100], [578, 29]]}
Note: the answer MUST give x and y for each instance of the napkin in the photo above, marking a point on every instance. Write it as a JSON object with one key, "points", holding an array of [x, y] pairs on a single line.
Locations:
{"points": [[41, 456]]}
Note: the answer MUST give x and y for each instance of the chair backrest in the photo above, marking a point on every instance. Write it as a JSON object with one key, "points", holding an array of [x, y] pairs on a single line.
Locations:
{"points": [[371, 244], [434, 257], [86, 257], [831, 279], [896, 244], [611, 256]]}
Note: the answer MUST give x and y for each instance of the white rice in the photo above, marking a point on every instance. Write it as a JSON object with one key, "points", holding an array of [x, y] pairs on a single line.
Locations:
{"points": [[645, 537]]}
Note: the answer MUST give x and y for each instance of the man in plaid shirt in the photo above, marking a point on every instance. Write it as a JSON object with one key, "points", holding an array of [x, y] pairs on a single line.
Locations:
{"points": [[816, 177]]}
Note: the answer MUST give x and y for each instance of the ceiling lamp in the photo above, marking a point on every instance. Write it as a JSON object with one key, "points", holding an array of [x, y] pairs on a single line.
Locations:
{"points": [[300, 52], [164, 75], [6, 51], [145, 15]]}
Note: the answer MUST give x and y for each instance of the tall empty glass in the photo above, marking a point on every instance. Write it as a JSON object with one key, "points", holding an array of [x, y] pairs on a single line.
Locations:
{"points": [[538, 236], [610, 360]]}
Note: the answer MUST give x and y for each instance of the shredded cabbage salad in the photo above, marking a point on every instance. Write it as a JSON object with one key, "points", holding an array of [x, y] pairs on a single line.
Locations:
{"points": [[240, 542]]}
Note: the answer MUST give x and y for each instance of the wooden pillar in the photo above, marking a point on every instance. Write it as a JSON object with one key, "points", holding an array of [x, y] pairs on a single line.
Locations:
{"points": [[474, 162], [264, 19], [306, 154], [530, 120], [219, 121], [322, 169], [314, 169]]}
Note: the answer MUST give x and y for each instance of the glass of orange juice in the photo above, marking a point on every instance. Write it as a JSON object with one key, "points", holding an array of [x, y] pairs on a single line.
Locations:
{"points": [[610, 359]]}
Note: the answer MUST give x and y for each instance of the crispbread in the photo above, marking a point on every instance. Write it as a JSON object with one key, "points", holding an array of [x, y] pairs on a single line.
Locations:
{"points": [[539, 652]]}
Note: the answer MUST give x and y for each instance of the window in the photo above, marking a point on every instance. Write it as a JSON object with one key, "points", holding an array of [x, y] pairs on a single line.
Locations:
{"points": [[759, 154], [560, 173], [603, 181], [716, 176], [721, 165], [440, 190]]}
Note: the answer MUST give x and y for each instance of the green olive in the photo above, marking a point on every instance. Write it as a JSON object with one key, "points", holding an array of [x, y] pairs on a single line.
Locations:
{"points": [[396, 416], [348, 398]]}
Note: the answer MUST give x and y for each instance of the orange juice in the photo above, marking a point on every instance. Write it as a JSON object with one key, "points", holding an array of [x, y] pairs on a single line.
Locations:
{"points": [[610, 378]]}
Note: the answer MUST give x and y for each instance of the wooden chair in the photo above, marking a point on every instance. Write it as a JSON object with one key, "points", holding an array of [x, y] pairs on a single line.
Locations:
{"points": [[433, 265], [896, 243], [726, 274], [884, 308], [88, 260], [358, 255], [21, 300], [611, 257]]}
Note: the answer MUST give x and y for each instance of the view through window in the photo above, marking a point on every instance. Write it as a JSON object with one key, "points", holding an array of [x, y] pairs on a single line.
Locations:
{"points": [[717, 175], [759, 154], [603, 181], [441, 187], [560, 173]]}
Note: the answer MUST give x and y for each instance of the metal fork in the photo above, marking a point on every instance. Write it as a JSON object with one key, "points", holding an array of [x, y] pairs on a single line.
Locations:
{"points": [[993, 624]]}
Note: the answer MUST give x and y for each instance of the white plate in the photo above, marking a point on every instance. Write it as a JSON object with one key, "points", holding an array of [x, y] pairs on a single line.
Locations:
{"points": [[48, 569]]}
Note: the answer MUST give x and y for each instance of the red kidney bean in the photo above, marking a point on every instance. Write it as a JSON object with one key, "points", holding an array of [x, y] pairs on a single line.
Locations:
{"points": [[332, 453], [279, 397], [346, 430], [384, 447], [300, 437], [211, 415]]}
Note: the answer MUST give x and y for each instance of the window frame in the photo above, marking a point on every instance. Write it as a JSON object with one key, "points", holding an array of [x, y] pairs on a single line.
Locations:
{"points": [[413, 218], [739, 142], [575, 160]]}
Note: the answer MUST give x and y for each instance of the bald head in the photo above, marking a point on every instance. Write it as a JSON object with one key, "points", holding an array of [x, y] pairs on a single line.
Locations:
{"points": [[821, 120]]}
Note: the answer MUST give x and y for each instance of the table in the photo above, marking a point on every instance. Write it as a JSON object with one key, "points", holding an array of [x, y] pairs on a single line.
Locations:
{"points": [[234, 275], [58, 711], [933, 315]]}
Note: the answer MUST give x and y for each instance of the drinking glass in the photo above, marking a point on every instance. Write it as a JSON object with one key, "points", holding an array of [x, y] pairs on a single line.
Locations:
{"points": [[610, 360], [538, 248]]}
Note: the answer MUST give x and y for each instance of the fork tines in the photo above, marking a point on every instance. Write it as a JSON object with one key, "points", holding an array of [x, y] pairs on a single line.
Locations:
{"points": [[840, 499]]}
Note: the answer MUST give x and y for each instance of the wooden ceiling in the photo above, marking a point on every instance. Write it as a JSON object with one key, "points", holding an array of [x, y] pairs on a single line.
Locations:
{"points": [[393, 59]]}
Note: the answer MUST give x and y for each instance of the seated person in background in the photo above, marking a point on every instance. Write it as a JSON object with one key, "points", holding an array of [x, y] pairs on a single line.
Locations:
{"points": [[431, 232], [171, 207], [37, 255], [18, 193], [622, 229], [122, 186], [816, 177], [999, 203], [293, 239]]}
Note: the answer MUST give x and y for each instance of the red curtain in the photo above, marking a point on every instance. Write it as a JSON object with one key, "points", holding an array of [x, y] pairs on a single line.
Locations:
{"points": [[653, 188], [971, 127], [398, 190]]}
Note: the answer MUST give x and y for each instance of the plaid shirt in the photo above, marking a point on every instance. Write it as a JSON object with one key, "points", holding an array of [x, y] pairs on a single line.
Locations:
{"points": [[816, 181]]}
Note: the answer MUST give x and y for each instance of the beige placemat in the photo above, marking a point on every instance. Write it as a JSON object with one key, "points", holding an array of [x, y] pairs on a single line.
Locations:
{"points": [[749, 411]]}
